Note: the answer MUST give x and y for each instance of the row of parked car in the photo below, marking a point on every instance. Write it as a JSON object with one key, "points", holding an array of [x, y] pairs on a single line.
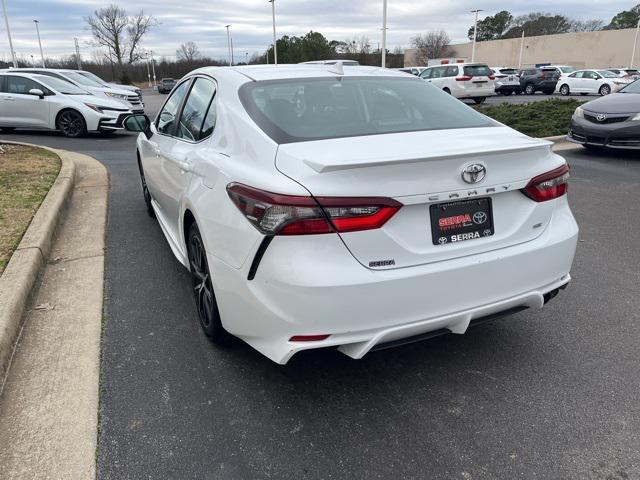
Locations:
{"points": [[478, 81], [71, 101]]}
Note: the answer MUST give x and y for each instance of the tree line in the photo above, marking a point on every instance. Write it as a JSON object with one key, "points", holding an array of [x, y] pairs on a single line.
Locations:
{"points": [[505, 25]]}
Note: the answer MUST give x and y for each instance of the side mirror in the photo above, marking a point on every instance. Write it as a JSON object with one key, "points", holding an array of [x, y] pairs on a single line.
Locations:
{"points": [[37, 92], [138, 123]]}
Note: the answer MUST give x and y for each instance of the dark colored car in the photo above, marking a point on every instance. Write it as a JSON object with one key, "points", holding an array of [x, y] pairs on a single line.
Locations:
{"points": [[612, 121], [543, 80], [166, 85]]}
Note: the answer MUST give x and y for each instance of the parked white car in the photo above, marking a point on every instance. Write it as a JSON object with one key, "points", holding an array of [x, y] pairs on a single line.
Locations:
{"points": [[356, 210], [600, 82], [95, 78], [130, 99], [563, 70], [507, 80], [412, 70], [40, 101], [628, 73], [462, 80]]}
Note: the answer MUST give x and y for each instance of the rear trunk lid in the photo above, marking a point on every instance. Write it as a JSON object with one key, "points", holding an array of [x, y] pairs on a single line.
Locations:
{"points": [[421, 169]]}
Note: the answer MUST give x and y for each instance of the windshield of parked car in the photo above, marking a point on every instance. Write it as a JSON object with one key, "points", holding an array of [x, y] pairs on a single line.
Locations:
{"points": [[304, 109], [607, 74], [60, 86], [95, 78], [82, 80], [567, 69], [632, 87]]}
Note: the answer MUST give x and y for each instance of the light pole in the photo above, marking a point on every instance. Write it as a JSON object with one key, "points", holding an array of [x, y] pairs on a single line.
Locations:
{"points": [[148, 72], [153, 69], [39, 42], [633, 53], [275, 46], [228, 42], [78, 58], [6, 22], [232, 59], [475, 34], [33, 62], [521, 50], [246, 58], [384, 34]]}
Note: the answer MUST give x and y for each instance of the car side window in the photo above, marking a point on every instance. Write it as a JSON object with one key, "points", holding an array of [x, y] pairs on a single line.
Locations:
{"points": [[22, 85], [195, 111], [166, 122], [426, 74], [452, 71]]}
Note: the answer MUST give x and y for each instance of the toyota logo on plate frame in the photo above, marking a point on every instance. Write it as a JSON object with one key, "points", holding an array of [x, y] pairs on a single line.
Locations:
{"points": [[474, 173]]}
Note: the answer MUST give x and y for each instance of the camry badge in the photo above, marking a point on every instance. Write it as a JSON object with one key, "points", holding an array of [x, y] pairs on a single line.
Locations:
{"points": [[601, 117], [474, 173]]}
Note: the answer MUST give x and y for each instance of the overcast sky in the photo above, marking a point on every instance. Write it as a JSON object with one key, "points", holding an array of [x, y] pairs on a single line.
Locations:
{"points": [[203, 21]]}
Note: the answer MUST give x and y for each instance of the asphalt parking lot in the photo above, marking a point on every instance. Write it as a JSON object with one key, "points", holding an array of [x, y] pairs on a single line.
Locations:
{"points": [[542, 394]]}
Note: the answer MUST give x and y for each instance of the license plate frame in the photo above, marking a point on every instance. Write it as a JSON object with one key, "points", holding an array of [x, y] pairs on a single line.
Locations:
{"points": [[461, 220]]}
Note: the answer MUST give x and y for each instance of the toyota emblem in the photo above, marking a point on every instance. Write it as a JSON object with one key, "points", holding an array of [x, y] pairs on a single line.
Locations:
{"points": [[474, 173], [479, 218], [601, 117]]}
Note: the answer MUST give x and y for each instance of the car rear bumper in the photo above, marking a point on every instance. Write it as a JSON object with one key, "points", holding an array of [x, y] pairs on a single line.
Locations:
{"points": [[624, 135], [313, 286]]}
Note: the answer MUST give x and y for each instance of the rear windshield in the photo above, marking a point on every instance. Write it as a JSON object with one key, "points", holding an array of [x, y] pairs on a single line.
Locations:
{"points": [[567, 69], [509, 71], [477, 71], [607, 74], [306, 109]]}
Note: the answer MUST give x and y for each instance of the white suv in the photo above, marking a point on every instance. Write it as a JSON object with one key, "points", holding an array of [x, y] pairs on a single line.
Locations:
{"points": [[462, 80]]}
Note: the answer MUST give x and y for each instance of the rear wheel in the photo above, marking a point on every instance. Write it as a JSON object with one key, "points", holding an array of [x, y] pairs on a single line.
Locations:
{"points": [[506, 93], [529, 89], [71, 123], [203, 289], [446, 90], [479, 100], [564, 90], [604, 90]]}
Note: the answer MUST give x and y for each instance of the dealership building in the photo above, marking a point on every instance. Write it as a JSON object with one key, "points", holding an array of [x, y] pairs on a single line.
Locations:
{"points": [[604, 48]]}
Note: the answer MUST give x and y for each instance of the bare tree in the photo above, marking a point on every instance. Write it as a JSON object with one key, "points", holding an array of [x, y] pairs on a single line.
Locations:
{"points": [[587, 25], [113, 29], [431, 45], [188, 52]]}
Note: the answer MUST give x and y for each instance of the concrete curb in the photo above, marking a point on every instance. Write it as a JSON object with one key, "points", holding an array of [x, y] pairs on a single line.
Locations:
{"points": [[32, 253], [556, 139]]}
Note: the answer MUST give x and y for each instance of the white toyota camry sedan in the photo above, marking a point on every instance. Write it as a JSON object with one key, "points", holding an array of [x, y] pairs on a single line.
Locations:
{"points": [[352, 207]]}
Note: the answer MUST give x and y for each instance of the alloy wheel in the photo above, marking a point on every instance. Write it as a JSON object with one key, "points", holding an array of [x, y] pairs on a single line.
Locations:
{"points": [[203, 291], [71, 123]]}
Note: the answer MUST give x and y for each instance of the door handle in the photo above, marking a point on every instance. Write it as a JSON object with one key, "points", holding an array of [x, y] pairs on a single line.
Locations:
{"points": [[184, 166]]}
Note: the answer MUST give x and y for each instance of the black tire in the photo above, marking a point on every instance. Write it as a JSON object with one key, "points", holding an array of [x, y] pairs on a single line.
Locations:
{"points": [[479, 100], [446, 90], [604, 90], [71, 123], [146, 192], [529, 89], [8, 129], [203, 294], [506, 93], [565, 90]]}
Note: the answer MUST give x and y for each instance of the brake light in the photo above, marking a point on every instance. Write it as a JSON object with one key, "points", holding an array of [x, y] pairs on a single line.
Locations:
{"points": [[549, 185], [275, 214], [464, 78], [493, 77]]}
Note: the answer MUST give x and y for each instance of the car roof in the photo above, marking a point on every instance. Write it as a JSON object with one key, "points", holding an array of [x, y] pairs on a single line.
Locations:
{"points": [[281, 72]]}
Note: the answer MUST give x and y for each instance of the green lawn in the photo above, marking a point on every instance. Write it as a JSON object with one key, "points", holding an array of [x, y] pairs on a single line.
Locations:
{"points": [[26, 174], [537, 119]]}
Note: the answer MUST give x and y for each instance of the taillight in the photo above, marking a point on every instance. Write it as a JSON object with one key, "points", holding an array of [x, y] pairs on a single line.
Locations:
{"points": [[275, 214], [549, 185], [493, 77], [464, 78]]}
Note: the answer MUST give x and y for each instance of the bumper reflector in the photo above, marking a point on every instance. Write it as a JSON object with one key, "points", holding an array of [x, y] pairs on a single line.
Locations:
{"points": [[308, 338]]}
